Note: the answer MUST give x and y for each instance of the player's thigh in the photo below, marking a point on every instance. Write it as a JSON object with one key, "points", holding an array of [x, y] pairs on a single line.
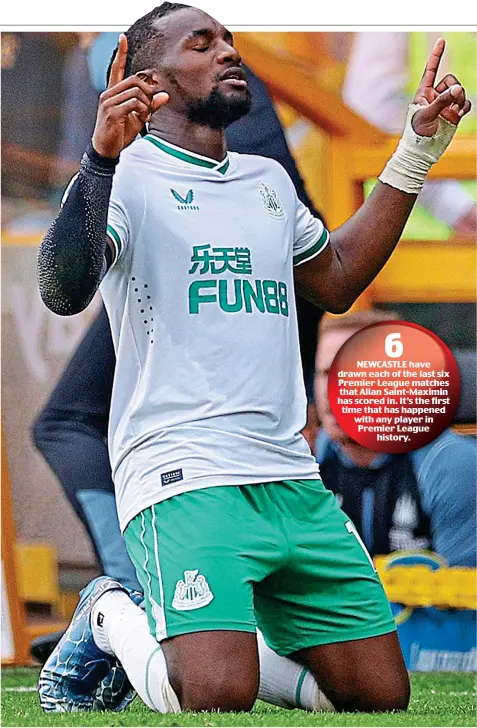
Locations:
{"points": [[213, 670], [329, 590], [361, 675]]}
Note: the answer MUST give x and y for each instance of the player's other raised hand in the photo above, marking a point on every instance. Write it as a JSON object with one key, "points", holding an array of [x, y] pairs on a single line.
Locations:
{"points": [[447, 99], [124, 107]]}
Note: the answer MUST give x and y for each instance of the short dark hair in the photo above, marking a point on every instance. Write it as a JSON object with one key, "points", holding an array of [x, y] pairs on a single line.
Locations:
{"points": [[140, 39]]}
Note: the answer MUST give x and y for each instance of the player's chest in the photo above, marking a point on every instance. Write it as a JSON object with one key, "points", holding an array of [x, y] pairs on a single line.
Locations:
{"points": [[220, 228]]}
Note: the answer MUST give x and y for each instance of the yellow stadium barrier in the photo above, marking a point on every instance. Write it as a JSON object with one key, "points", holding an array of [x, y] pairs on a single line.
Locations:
{"points": [[37, 569], [422, 585], [418, 586], [14, 643]]}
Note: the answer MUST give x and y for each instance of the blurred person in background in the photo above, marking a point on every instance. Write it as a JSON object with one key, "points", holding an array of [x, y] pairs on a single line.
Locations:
{"points": [[79, 99], [424, 499], [34, 63], [382, 70], [44, 136], [71, 430]]}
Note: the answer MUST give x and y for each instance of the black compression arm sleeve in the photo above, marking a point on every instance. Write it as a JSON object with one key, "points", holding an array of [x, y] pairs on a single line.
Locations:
{"points": [[71, 259]]}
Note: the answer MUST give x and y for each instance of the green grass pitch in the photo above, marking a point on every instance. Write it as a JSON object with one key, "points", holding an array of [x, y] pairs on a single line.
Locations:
{"points": [[438, 699]]}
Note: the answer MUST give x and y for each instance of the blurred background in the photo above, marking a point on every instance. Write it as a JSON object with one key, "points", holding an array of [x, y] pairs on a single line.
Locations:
{"points": [[341, 98]]}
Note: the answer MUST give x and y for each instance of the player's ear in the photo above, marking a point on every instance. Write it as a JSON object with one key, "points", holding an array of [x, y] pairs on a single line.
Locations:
{"points": [[153, 78]]}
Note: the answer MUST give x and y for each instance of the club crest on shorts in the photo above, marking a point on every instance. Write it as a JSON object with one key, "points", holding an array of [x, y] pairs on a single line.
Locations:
{"points": [[271, 201], [192, 593]]}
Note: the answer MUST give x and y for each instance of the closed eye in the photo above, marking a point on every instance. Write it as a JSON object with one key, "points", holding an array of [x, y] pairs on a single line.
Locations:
{"points": [[202, 37]]}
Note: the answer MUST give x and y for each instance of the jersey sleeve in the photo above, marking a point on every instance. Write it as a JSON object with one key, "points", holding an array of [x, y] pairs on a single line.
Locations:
{"points": [[125, 203], [311, 236], [118, 228]]}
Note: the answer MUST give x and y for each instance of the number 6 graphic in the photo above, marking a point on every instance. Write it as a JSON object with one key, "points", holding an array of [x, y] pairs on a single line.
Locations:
{"points": [[393, 345]]}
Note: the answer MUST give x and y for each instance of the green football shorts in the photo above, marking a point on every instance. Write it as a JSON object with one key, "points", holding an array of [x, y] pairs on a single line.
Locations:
{"points": [[278, 556]]}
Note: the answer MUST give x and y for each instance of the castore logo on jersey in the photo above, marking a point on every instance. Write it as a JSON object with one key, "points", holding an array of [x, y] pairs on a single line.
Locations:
{"points": [[185, 203]]}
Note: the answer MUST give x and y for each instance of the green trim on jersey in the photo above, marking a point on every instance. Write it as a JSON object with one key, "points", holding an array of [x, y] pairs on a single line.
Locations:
{"points": [[314, 250], [116, 240], [189, 157]]}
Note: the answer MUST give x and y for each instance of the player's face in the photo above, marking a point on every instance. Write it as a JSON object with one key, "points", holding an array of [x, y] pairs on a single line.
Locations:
{"points": [[329, 344], [201, 69]]}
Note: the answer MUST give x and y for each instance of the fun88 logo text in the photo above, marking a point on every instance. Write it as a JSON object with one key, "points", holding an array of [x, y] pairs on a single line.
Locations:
{"points": [[232, 295]]}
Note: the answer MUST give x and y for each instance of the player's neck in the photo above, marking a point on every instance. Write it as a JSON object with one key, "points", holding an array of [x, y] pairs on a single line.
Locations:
{"points": [[188, 135]]}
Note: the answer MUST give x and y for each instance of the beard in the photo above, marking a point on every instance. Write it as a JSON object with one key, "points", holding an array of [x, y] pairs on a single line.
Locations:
{"points": [[219, 110]]}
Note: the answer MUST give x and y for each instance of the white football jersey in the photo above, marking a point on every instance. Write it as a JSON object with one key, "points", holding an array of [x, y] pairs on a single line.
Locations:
{"points": [[208, 388]]}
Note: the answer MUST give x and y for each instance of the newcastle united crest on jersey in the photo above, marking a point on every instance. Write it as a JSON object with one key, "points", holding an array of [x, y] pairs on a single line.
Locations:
{"points": [[271, 201], [192, 593]]}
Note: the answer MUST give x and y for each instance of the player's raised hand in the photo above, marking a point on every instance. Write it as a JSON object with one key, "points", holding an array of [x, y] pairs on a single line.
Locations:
{"points": [[124, 108], [447, 99]]}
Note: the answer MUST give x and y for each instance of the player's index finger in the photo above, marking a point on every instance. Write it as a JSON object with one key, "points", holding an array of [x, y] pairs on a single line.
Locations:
{"points": [[119, 64], [432, 65]]}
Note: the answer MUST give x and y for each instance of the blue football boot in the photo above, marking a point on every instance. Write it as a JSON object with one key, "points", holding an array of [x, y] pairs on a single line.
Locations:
{"points": [[115, 692], [78, 675]]}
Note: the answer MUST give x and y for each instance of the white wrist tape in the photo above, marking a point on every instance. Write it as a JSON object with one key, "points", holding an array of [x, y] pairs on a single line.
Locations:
{"points": [[414, 155]]}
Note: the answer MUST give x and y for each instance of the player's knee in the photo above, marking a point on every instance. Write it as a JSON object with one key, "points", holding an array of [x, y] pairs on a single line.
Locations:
{"points": [[397, 692], [388, 701], [382, 697], [229, 698], [401, 694], [213, 690]]}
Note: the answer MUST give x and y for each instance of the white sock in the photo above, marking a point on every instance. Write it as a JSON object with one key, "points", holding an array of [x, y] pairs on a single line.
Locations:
{"points": [[121, 628], [286, 683]]}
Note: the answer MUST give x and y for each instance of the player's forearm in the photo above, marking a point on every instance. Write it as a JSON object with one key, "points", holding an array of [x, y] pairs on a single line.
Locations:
{"points": [[71, 259], [365, 242], [361, 247]]}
